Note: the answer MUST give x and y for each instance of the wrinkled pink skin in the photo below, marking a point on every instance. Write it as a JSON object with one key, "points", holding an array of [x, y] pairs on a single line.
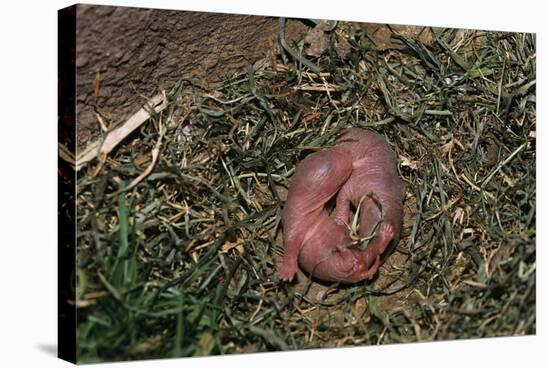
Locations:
{"points": [[361, 164], [309, 232]]}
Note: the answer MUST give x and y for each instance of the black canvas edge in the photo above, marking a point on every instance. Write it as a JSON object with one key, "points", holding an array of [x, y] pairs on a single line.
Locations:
{"points": [[66, 185]]}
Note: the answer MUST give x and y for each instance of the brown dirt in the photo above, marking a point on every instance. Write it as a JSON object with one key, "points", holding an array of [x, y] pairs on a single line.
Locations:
{"points": [[134, 52], [382, 33]]}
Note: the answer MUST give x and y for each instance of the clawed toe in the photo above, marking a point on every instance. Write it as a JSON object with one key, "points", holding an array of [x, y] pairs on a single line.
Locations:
{"points": [[286, 273]]}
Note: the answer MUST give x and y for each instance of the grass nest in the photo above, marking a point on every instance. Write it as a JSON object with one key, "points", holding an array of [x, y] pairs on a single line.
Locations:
{"points": [[184, 263]]}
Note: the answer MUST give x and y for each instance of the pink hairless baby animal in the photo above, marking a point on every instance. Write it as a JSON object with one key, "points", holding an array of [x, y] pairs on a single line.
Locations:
{"points": [[360, 170], [310, 234]]}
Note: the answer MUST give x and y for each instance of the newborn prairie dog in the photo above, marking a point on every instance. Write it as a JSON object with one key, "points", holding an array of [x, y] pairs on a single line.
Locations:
{"points": [[360, 170]]}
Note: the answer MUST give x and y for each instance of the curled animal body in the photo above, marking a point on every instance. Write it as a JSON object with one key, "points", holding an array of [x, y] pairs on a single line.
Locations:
{"points": [[360, 172]]}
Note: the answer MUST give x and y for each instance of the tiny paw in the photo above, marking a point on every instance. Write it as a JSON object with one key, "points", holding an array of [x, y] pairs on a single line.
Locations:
{"points": [[386, 232], [287, 271]]}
